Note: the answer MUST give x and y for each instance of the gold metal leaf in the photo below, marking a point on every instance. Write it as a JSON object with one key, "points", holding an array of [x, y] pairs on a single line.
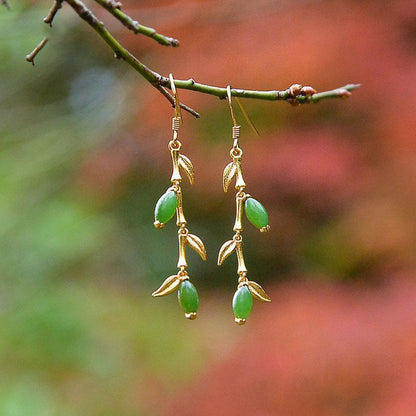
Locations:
{"points": [[196, 244], [168, 286], [258, 292], [225, 250], [187, 166], [228, 175]]}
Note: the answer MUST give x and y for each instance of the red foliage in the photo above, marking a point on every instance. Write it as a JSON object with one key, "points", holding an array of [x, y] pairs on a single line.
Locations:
{"points": [[317, 350], [335, 159]]}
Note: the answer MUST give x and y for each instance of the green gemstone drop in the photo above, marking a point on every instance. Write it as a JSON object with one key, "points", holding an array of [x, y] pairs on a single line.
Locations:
{"points": [[188, 297], [166, 207], [242, 303], [256, 213]]}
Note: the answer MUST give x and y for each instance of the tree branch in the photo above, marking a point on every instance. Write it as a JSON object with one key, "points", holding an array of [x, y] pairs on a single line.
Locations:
{"points": [[32, 55], [122, 53], [343, 92], [57, 4], [295, 94], [119, 51], [115, 9]]}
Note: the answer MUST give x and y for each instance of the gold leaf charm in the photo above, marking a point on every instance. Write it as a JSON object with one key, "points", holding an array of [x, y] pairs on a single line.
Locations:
{"points": [[187, 166], [168, 286], [225, 250], [258, 292], [196, 244], [229, 172]]}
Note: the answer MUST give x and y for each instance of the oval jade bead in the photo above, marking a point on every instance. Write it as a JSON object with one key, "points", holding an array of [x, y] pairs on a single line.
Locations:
{"points": [[166, 207], [256, 213], [242, 303], [188, 297]]}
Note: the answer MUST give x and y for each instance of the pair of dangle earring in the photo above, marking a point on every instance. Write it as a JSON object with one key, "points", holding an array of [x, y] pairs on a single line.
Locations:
{"points": [[171, 202]]}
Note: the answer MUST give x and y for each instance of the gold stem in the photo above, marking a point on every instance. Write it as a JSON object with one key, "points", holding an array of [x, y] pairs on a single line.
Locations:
{"points": [[240, 258], [180, 217], [239, 200], [182, 234], [176, 176]]}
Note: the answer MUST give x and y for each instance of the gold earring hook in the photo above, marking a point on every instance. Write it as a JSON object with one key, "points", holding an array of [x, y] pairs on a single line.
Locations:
{"points": [[246, 116], [178, 113], [231, 105]]}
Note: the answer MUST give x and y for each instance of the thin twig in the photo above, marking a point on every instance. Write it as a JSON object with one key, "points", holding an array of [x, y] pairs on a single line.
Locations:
{"points": [[171, 98], [294, 94], [5, 3], [32, 55], [57, 4], [343, 92], [115, 9]]}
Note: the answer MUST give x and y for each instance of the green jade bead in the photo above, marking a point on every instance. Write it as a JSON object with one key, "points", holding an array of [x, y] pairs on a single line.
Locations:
{"points": [[256, 213], [166, 207], [188, 298], [242, 303]]}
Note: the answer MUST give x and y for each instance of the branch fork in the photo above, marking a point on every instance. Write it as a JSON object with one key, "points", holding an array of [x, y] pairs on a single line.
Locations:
{"points": [[295, 95]]}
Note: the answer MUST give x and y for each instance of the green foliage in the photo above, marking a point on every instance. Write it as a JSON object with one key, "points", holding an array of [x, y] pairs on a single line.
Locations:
{"points": [[67, 347]]}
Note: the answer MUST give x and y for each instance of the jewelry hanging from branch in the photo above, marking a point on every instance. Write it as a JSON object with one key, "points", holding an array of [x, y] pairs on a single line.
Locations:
{"points": [[256, 214], [169, 204]]}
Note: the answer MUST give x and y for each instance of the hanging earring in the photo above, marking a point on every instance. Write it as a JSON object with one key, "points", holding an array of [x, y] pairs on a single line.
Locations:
{"points": [[169, 204], [256, 214]]}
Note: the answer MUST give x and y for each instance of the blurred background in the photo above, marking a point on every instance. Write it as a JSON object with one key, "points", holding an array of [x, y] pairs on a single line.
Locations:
{"points": [[83, 160]]}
